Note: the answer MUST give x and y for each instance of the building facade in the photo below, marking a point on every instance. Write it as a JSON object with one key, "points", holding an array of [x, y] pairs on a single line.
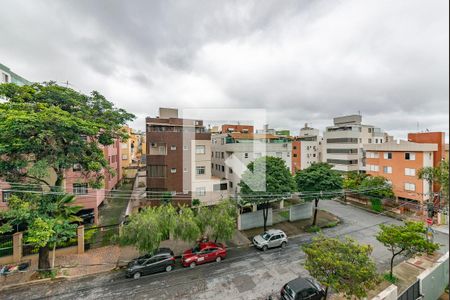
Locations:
{"points": [[343, 142], [306, 149], [8, 76], [232, 152], [399, 162], [134, 149], [178, 159]]}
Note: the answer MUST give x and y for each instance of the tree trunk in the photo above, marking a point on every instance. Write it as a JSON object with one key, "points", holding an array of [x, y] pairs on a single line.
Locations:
{"points": [[54, 256], [59, 180], [391, 273], [265, 215], [326, 292], [316, 203], [44, 263]]}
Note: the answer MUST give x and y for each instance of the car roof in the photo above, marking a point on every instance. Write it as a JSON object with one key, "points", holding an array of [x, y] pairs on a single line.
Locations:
{"points": [[209, 244], [274, 231], [299, 284]]}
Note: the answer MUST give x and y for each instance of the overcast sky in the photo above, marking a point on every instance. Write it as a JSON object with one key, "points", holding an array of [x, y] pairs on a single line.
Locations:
{"points": [[303, 61]]}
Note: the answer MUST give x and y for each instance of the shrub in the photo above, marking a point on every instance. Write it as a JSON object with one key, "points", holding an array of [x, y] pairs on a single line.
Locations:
{"points": [[376, 204], [331, 224], [312, 229]]}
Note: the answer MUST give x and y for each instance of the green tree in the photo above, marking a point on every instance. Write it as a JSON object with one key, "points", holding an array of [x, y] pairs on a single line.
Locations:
{"points": [[444, 179], [50, 219], [223, 222], [353, 180], [345, 266], [376, 187], [431, 175], [267, 179], [320, 181], [46, 129], [408, 239], [186, 228]]}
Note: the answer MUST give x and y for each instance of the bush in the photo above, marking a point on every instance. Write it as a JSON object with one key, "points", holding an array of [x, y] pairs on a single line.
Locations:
{"points": [[376, 205], [195, 202], [312, 229], [391, 279], [331, 224]]}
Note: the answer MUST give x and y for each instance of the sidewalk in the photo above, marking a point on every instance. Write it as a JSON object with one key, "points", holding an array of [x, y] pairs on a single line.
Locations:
{"points": [[441, 228]]}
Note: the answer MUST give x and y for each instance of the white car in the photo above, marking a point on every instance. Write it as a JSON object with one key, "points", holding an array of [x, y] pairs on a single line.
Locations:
{"points": [[270, 239]]}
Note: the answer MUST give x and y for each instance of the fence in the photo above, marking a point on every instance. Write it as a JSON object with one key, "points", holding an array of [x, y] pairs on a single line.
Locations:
{"points": [[411, 293], [100, 236], [6, 245]]}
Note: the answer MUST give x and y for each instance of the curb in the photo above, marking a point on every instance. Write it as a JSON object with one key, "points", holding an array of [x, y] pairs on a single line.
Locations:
{"points": [[33, 282], [398, 218]]}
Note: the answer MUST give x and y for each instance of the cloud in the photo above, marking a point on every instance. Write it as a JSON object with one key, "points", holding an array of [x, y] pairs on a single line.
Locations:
{"points": [[304, 61]]}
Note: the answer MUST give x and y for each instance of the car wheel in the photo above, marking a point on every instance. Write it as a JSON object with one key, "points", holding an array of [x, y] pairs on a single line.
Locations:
{"points": [[169, 268], [283, 245], [192, 265], [264, 248], [137, 275], [218, 259]]}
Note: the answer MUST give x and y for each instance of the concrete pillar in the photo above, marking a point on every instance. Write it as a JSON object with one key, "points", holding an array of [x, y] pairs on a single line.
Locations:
{"points": [[281, 204], [80, 236], [239, 226], [17, 246], [254, 207]]}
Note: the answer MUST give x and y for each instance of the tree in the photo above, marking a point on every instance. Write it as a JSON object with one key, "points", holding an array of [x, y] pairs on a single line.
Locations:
{"points": [[377, 187], [408, 239], [267, 179], [50, 219], [444, 179], [46, 129], [223, 219], [321, 181], [431, 175], [345, 266], [186, 227], [353, 180]]}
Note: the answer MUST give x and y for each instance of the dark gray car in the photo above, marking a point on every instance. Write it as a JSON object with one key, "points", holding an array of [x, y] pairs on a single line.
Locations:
{"points": [[302, 289], [162, 261]]}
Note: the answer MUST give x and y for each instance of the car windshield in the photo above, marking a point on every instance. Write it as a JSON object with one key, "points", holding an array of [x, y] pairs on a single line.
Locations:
{"points": [[266, 236], [196, 249]]}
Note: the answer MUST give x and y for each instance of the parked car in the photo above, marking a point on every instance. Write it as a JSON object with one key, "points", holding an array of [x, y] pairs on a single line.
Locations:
{"points": [[202, 253], [162, 260], [302, 289], [270, 239]]}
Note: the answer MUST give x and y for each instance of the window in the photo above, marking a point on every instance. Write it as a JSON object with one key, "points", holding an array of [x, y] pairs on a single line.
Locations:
{"points": [[373, 168], [6, 195], [200, 191], [200, 149], [372, 155], [223, 168], [344, 151], [76, 167], [343, 161], [222, 155], [162, 150], [245, 155], [173, 170], [231, 184], [314, 155], [5, 77], [200, 170], [80, 188], [157, 171], [342, 141], [387, 155], [173, 147], [185, 148], [295, 154], [410, 172], [410, 186], [212, 154], [294, 147], [288, 154], [370, 141], [185, 170], [410, 156], [387, 170], [230, 170]]}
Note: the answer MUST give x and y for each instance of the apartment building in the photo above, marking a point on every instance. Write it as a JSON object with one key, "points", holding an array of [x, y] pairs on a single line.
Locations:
{"points": [[8, 76], [229, 128], [306, 148], [178, 159], [343, 142], [133, 149], [399, 162], [232, 152]]}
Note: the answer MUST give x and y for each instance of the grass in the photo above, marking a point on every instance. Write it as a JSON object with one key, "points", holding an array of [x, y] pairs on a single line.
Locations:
{"points": [[331, 224], [312, 229], [391, 279], [284, 214]]}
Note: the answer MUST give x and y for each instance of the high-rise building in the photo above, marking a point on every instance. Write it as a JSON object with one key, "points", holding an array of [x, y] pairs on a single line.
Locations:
{"points": [[178, 159], [343, 142], [306, 148]]}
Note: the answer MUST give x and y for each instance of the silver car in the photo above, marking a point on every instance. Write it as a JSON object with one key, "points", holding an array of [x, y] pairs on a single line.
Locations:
{"points": [[270, 239]]}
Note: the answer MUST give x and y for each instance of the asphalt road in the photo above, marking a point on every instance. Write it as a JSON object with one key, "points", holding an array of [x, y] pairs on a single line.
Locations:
{"points": [[246, 273]]}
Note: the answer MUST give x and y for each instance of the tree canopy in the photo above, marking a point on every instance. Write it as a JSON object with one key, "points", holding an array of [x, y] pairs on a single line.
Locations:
{"points": [[377, 187], [408, 239], [46, 127], [343, 265]]}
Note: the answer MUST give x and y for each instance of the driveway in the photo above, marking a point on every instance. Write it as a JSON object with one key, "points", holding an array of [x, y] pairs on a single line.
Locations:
{"points": [[245, 274]]}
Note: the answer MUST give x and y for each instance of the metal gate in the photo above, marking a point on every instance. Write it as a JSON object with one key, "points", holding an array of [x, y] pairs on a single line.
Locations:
{"points": [[412, 293]]}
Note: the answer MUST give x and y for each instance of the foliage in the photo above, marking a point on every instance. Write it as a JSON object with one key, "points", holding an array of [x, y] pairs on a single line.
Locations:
{"points": [[376, 187], [408, 239], [376, 204], [313, 229], [185, 226], [321, 179], [444, 179], [267, 179], [223, 222], [50, 219], [331, 224], [390, 278], [353, 180], [195, 202], [166, 198], [345, 266], [44, 127], [437, 175]]}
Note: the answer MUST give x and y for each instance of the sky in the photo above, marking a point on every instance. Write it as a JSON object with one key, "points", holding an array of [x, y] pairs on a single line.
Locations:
{"points": [[302, 61]]}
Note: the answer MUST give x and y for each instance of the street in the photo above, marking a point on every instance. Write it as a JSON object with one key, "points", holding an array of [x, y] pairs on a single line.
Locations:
{"points": [[246, 273]]}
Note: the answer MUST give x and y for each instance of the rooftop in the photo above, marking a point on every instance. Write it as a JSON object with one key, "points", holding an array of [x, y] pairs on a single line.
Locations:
{"points": [[401, 145]]}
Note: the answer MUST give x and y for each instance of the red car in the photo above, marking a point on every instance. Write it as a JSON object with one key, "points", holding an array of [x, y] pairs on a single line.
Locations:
{"points": [[203, 253]]}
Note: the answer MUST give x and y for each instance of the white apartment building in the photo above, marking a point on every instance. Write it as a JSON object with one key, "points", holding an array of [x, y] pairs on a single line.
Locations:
{"points": [[343, 142], [232, 152], [309, 144]]}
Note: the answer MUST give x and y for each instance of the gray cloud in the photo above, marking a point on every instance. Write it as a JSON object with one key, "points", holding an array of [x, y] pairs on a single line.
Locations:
{"points": [[304, 61]]}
